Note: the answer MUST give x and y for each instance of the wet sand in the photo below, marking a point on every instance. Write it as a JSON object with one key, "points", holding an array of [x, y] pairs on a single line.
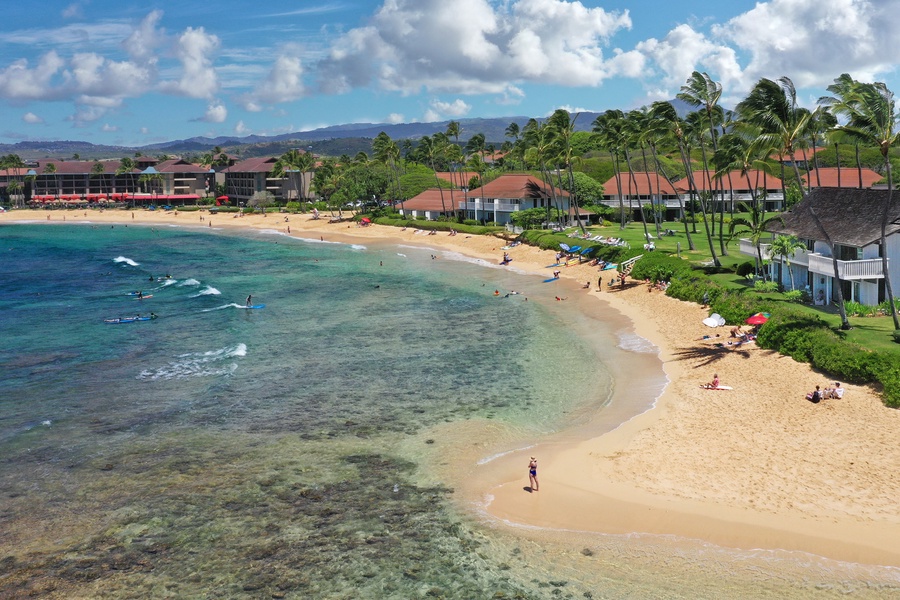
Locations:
{"points": [[754, 467]]}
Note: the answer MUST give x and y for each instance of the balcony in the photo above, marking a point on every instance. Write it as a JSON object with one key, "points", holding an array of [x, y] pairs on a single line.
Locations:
{"points": [[489, 206], [800, 257], [848, 269]]}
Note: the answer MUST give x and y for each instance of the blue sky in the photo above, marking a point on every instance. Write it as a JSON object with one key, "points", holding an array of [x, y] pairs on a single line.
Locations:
{"points": [[134, 73]]}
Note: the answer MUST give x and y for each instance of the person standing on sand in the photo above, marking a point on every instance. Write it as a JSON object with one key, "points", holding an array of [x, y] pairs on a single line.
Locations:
{"points": [[532, 474], [600, 283]]}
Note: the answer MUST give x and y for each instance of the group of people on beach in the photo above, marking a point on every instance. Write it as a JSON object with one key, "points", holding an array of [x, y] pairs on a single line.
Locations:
{"points": [[834, 392]]}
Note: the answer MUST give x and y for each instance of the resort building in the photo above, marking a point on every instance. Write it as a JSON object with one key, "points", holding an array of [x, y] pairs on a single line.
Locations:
{"points": [[640, 188], [852, 218], [734, 188], [253, 176], [842, 178], [507, 194], [431, 204]]}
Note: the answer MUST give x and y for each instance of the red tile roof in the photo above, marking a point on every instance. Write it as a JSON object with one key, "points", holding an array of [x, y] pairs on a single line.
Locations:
{"points": [[799, 155], [638, 185], [179, 166], [457, 177], [828, 177], [734, 181], [430, 200], [516, 186], [259, 164]]}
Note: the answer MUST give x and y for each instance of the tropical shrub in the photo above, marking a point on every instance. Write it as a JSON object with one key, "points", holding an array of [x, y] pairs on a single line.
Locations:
{"points": [[794, 296], [765, 286], [746, 268]]}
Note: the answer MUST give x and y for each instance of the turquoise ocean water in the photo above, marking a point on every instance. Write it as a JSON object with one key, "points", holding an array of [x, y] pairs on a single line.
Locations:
{"points": [[221, 452]]}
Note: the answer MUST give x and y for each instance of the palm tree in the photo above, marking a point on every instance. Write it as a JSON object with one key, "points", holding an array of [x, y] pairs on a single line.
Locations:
{"points": [[432, 150], [14, 163], [666, 122], [126, 166], [784, 246], [756, 225], [701, 90], [610, 128], [771, 107], [871, 118], [539, 142], [50, 169], [563, 125]]}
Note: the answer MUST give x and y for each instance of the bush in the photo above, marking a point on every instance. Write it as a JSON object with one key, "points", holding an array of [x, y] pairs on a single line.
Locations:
{"points": [[765, 286], [794, 296], [657, 266], [746, 268]]}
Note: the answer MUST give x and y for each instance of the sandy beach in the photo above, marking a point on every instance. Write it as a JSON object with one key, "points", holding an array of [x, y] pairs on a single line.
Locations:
{"points": [[754, 467]]}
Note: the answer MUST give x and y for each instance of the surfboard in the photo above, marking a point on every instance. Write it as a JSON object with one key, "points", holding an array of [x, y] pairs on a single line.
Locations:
{"points": [[256, 306], [126, 320], [721, 387], [144, 297], [551, 279]]}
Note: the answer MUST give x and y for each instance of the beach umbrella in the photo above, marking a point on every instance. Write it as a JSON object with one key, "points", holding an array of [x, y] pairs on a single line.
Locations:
{"points": [[366, 220], [757, 319], [574, 249], [565, 247], [588, 250]]}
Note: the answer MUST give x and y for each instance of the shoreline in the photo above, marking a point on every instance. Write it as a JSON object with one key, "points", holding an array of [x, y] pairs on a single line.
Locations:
{"points": [[755, 467]]}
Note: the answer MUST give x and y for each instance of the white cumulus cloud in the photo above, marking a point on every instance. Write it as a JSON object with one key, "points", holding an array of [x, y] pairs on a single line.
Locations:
{"points": [[284, 82], [216, 112], [198, 77], [32, 118], [410, 45]]}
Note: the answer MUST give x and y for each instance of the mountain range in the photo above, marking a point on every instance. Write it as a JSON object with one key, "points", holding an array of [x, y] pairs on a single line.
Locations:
{"points": [[333, 140]]}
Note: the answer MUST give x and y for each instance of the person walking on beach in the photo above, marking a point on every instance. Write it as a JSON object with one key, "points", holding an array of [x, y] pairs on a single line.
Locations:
{"points": [[532, 474], [600, 283]]}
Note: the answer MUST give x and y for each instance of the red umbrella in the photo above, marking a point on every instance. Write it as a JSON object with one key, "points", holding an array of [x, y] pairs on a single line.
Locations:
{"points": [[366, 220], [757, 319]]}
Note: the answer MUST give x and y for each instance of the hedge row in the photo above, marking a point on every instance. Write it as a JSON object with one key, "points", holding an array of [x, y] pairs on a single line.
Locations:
{"points": [[435, 225], [549, 240], [789, 330]]}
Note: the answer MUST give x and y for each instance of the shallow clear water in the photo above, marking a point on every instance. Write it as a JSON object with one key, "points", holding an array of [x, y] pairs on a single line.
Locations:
{"points": [[218, 451]]}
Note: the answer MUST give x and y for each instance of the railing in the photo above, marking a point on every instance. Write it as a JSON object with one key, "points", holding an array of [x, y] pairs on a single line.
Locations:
{"points": [[848, 269], [800, 257], [489, 206]]}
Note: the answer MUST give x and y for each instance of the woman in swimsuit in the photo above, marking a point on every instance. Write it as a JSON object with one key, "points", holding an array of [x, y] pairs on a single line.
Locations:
{"points": [[532, 474]]}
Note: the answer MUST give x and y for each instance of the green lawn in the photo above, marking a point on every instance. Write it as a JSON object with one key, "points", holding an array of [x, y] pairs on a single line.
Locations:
{"points": [[870, 332]]}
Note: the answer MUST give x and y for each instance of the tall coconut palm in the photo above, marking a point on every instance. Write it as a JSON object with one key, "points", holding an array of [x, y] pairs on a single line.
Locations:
{"points": [[540, 141], [97, 170], [50, 169], [783, 126], [610, 129], [126, 167], [700, 90], [13, 164], [665, 122], [563, 125], [871, 118], [432, 150], [784, 247], [386, 151]]}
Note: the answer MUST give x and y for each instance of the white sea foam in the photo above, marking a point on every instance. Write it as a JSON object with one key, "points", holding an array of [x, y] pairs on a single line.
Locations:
{"points": [[207, 291], [224, 306], [632, 342], [494, 457], [168, 282], [358, 247], [198, 364], [189, 282], [126, 260], [481, 262]]}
